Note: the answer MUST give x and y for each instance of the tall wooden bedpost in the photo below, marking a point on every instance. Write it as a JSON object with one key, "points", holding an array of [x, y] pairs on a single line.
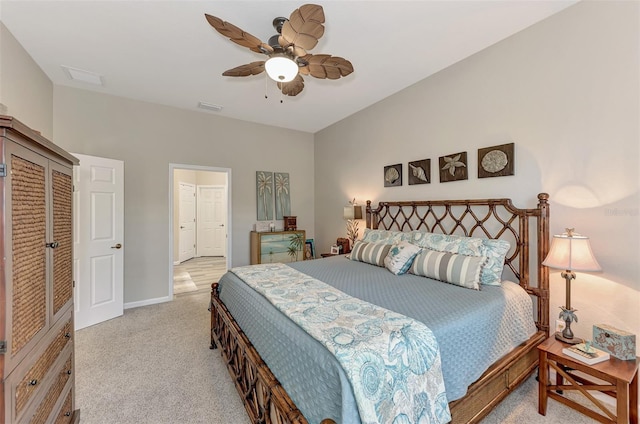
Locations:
{"points": [[543, 271], [214, 293]]}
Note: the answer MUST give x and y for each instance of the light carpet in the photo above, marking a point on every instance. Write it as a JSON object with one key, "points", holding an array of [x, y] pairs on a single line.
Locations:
{"points": [[153, 365]]}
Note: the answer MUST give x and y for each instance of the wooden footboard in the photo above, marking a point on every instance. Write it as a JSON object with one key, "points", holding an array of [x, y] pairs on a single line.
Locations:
{"points": [[267, 402], [264, 398]]}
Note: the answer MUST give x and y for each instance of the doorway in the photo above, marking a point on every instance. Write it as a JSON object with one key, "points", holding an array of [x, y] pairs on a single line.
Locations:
{"points": [[200, 236]]}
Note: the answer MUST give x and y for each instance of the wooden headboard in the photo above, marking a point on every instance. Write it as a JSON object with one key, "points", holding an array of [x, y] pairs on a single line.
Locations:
{"points": [[488, 218]]}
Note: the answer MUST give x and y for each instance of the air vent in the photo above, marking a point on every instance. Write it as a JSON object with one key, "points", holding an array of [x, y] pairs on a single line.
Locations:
{"points": [[83, 76], [210, 106]]}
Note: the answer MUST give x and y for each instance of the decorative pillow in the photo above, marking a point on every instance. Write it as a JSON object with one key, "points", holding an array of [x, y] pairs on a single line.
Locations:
{"points": [[385, 236], [494, 250], [456, 269], [371, 253], [400, 257]]}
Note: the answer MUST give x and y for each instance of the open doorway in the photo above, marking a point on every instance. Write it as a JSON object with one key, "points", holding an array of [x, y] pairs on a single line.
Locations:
{"points": [[200, 216]]}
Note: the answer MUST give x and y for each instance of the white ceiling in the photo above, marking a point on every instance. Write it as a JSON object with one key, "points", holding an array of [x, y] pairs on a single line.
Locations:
{"points": [[165, 52]]}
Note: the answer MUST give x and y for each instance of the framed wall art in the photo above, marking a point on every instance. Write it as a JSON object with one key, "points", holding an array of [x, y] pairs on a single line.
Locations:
{"points": [[453, 167], [282, 192], [309, 249], [420, 172], [496, 161], [393, 175], [264, 195]]}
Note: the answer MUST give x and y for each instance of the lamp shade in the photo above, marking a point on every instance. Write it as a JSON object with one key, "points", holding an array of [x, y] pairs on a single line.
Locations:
{"points": [[281, 68], [571, 252], [352, 212]]}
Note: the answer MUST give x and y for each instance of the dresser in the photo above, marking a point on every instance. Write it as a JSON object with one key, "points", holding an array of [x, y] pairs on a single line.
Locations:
{"points": [[277, 246], [36, 320]]}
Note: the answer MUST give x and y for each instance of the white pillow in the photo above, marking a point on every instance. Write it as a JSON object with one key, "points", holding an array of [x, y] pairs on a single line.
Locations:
{"points": [[400, 257]]}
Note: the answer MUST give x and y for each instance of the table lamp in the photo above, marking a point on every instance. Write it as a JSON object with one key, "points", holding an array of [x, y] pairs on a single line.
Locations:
{"points": [[570, 252]]}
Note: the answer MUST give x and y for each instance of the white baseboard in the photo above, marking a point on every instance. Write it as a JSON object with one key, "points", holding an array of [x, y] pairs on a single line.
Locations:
{"points": [[139, 303]]}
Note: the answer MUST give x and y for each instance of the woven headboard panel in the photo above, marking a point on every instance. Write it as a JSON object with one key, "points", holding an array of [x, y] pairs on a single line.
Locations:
{"points": [[527, 230]]}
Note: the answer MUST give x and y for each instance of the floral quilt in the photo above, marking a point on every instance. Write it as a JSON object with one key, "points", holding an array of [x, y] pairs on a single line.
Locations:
{"points": [[392, 361]]}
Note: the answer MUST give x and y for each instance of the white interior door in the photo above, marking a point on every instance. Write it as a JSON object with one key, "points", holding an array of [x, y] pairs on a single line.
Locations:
{"points": [[187, 222], [212, 221], [98, 239]]}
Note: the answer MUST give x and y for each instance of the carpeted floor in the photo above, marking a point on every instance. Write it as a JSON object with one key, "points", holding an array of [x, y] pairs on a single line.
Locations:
{"points": [[153, 365]]}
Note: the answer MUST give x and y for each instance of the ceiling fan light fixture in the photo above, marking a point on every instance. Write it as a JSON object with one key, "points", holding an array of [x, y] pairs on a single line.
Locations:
{"points": [[281, 68]]}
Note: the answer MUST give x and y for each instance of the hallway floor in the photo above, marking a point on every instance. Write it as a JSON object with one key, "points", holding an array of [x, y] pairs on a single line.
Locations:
{"points": [[197, 274]]}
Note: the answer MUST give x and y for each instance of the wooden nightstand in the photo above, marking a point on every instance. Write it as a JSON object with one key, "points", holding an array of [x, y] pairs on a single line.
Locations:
{"points": [[622, 377], [326, 255]]}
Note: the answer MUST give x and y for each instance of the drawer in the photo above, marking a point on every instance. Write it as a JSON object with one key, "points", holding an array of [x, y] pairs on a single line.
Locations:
{"points": [[55, 391], [34, 377], [65, 414]]}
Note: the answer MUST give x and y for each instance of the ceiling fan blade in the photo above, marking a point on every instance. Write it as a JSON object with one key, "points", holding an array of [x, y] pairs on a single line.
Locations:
{"points": [[304, 27], [293, 87], [238, 36], [326, 66], [253, 68]]}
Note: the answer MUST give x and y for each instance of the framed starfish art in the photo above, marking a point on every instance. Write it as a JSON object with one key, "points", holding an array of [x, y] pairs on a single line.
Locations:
{"points": [[453, 167]]}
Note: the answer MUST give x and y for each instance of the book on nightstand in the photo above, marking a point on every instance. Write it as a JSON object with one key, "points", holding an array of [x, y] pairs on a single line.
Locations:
{"points": [[589, 356]]}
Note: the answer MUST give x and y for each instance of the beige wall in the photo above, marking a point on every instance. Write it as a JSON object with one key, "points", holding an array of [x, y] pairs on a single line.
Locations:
{"points": [[148, 138], [24, 89], [565, 91]]}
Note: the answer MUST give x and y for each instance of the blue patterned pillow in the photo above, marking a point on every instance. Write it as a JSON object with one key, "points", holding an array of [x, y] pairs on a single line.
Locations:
{"points": [[460, 270], [371, 253], [385, 236], [400, 257], [494, 250]]}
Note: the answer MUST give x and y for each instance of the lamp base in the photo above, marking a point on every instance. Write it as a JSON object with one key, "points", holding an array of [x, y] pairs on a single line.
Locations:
{"points": [[574, 340]]}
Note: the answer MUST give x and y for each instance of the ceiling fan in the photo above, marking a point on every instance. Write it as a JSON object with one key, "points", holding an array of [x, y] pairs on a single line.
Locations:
{"points": [[287, 50]]}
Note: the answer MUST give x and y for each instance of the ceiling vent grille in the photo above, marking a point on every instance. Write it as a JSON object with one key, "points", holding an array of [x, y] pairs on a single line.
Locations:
{"points": [[210, 106]]}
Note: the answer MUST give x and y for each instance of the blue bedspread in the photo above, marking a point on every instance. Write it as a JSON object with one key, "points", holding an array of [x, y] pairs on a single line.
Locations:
{"points": [[473, 329]]}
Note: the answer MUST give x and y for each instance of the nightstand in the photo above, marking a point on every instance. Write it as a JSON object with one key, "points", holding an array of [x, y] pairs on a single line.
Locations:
{"points": [[326, 255], [622, 377]]}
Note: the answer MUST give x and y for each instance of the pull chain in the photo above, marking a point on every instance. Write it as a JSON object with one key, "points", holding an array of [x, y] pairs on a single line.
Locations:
{"points": [[265, 85]]}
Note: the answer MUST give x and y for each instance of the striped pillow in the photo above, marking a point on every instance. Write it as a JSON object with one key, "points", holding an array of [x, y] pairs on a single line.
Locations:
{"points": [[371, 253], [461, 270]]}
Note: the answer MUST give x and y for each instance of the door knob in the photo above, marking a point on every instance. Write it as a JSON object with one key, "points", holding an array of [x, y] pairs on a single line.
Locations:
{"points": [[117, 246]]}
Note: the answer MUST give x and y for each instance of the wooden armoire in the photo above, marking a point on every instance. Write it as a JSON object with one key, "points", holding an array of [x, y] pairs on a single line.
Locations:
{"points": [[36, 292]]}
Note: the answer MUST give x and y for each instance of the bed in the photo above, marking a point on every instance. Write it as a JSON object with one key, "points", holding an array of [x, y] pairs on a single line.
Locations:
{"points": [[243, 323]]}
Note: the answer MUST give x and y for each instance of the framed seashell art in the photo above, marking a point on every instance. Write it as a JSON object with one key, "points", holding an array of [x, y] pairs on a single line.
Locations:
{"points": [[420, 172], [393, 175], [496, 161], [453, 167]]}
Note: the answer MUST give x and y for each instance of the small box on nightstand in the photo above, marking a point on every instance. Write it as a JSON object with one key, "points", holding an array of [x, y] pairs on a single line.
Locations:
{"points": [[618, 343]]}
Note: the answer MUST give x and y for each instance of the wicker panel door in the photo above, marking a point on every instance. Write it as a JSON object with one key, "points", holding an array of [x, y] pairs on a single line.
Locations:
{"points": [[60, 234], [26, 208]]}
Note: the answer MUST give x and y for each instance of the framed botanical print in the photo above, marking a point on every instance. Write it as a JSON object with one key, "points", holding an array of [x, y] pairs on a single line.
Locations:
{"points": [[264, 195]]}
